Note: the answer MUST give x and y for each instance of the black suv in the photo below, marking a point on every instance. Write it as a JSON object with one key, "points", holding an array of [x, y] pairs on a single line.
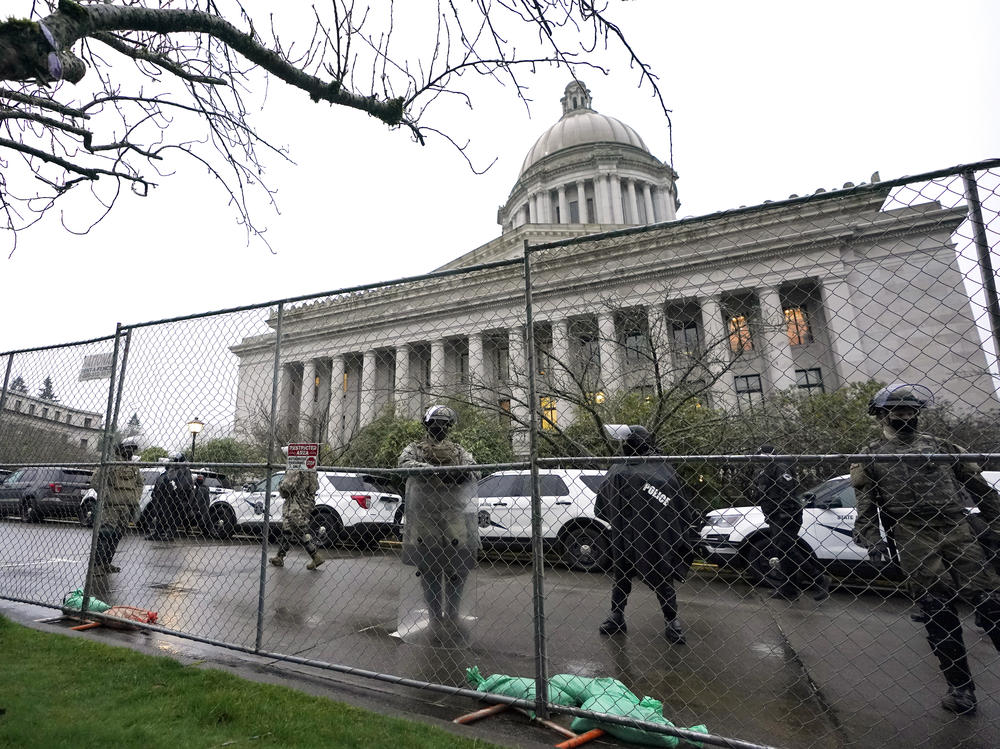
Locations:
{"points": [[37, 493]]}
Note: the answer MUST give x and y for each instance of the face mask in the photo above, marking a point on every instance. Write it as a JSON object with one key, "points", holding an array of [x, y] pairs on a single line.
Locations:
{"points": [[437, 431], [903, 426]]}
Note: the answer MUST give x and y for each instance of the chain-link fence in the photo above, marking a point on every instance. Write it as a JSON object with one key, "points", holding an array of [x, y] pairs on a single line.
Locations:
{"points": [[811, 547]]}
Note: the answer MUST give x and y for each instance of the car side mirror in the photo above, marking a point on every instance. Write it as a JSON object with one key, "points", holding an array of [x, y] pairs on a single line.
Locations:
{"points": [[824, 504]]}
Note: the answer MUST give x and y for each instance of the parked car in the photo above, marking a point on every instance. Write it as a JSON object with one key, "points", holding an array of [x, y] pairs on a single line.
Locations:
{"points": [[738, 535], [348, 505], [567, 503], [37, 493]]}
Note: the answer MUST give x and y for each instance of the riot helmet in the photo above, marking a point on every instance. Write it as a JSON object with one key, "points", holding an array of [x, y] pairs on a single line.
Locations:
{"points": [[900, 395], [439, 420], [177, 457], [128, 447], [640, 441]]}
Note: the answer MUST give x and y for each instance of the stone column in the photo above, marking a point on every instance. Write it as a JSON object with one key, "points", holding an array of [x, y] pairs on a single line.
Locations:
{"points": [[519, 407], [335, 415], [846, 341], [401, 385], [437, 367], [306, 400], [533, 209], [477, 367], [602, 203], [563, 206], [647, 198], [581, 202], [716, 355], [633, 203], [608, 346], [780, 365], [616, 199], [367, 411], [558, 369], [659, 341]]}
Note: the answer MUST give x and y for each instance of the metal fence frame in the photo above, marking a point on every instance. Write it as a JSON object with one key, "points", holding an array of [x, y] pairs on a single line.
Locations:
{"points": [[122, 337]]}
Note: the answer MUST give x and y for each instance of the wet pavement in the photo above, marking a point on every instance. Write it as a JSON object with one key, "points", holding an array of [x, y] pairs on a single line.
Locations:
{"points": [[853, 671]]}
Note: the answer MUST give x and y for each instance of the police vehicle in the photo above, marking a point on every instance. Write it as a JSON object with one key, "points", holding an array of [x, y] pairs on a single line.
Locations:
{"points": [[738, 535]]}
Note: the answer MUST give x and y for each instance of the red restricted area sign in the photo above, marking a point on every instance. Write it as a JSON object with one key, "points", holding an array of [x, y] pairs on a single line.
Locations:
{"points": [[303, 456]]}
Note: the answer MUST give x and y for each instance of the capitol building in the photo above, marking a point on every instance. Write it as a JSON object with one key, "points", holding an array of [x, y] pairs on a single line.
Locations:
{"points": [[806, 294]]}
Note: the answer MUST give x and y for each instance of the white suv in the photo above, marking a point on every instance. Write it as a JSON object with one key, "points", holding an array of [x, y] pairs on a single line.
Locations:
{"points": [[567, 499], [739, 534], [347, 504]]}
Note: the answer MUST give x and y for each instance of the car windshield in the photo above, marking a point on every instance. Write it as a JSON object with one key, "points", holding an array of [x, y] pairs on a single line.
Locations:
{"points": [[836, 492], [592, 482], [16, 476], [349, 483], [275, 480]]}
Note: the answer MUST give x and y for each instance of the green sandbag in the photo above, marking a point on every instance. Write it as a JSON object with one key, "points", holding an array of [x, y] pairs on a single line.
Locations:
{"points": [[582, 688], [520, 687], [624, 705], [74, 600]]}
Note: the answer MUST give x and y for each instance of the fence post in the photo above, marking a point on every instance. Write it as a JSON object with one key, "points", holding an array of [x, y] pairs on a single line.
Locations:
{"points": [[985, 263], [6, 383], [102, 484], [267, 479], [537, 543]]}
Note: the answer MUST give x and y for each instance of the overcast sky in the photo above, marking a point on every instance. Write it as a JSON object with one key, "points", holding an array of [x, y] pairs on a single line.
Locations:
{"points": [[767, 99]]}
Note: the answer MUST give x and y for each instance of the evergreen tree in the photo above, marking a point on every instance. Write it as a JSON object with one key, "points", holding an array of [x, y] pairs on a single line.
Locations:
{"points": [[46, 392], [133, 428], [18, 386]]}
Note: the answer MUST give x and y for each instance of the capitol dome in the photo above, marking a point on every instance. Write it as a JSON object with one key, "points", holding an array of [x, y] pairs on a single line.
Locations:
{"points": [[589, 168]]}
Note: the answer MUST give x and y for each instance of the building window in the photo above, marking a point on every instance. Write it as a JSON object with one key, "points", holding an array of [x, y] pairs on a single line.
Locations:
{"points": [[549, 414], [740, 340], [810, 380], [83, 442], [503, 366], [86, 423], [574, 212], [17, 405], [685, 338], [749, 392], [31, 409], [636, 348], [797, 326], [45, 413], [58, 415], [69, 419], [590, 211]]}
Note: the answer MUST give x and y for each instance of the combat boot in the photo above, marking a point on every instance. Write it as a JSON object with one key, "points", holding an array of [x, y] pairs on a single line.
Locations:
{"points": [[278, 560], [614, 624], [315, 562], [674, 633], [960, 700], [821, 591]]}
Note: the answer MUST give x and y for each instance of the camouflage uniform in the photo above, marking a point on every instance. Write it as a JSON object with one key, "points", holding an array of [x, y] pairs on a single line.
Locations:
{"points": [[922, 507], [122, 490], [298, 488]]}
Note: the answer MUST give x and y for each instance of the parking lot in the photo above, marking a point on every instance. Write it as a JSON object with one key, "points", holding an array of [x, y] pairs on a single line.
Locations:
{"points": [[853, 671]]}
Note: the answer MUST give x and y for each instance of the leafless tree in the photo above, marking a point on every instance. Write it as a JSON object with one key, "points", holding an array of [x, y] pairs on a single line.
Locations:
{"points": [[107, 95]]}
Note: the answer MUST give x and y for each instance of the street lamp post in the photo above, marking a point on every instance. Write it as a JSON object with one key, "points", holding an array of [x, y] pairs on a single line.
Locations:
{"points": [[194, 426]]}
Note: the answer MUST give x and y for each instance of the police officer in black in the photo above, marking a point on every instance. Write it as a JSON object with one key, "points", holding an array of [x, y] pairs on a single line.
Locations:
{"points": [[651, 531], [172, 496], [775, 488]]}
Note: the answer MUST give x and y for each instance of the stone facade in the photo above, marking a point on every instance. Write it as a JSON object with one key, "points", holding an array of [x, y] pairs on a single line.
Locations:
{"points": [[72, 425], [809, 294]]}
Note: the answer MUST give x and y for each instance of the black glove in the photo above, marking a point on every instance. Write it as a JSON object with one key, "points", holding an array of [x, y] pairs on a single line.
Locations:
{"points": [[879, 552]]}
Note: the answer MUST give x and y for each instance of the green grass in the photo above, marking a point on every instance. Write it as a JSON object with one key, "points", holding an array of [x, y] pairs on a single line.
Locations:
{"points": [[58, 691]]}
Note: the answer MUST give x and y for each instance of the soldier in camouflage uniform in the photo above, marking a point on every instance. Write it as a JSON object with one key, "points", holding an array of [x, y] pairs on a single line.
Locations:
{"points": [[298, 488], [441, 533], [922, 506], [122, 487]]}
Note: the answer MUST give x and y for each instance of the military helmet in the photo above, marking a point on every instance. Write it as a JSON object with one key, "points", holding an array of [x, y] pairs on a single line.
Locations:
{"points": [[129, 444], [177, 457], [640, 441], [442, 415], [898, 395]]}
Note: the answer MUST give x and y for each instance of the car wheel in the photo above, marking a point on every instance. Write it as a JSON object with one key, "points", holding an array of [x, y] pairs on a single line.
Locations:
{"points": [[584, 548], [755, 558], [86, 513], [221, 522], [30, 513], [325, 527]]}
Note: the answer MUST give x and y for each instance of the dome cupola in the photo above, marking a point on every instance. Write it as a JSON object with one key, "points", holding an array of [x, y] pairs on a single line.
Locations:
{"points": [[589, 168]]}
